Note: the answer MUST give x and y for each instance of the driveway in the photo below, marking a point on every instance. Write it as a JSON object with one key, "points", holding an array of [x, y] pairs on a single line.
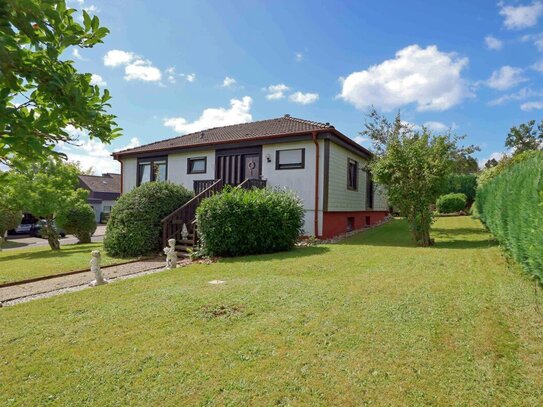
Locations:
{"points": [[23, 241]]}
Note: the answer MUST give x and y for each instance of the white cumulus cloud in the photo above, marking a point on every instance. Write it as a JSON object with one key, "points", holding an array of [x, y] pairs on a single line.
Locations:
{"points": [[304, 98], [97, 80], [117, 57], [493, 43], [426, 76], [529, 106], [276, 92], [76, 54], [228, 82], [93, 153], [506, 77], [191, 77], [142, 70], [299, 57], [522, 94], [536, 39], [522, 16], [239, 112], [436, 126]]}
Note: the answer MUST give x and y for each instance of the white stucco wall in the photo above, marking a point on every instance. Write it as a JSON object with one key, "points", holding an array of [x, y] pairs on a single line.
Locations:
{"points": [[130, 173], [300, 180], [177, 168]]}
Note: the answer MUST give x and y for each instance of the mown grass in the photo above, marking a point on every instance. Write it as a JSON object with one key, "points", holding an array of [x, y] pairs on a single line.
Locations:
{"points": [[372, 320], [22, 264]]}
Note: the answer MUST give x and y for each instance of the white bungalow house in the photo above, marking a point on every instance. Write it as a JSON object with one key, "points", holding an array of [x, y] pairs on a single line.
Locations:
{"points": [[326, 168]]}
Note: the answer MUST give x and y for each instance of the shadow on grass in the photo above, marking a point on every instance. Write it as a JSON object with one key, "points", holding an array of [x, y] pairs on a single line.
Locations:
{"points": [[292, 254], [47, 253], [10, 244]]}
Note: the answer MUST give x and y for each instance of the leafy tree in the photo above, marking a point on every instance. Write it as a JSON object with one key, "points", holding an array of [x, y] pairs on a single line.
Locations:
{"points": [[525, 137], [10, 215], [413, 166], [491, 163], [45, 189], [78, 220], [40, 94]]}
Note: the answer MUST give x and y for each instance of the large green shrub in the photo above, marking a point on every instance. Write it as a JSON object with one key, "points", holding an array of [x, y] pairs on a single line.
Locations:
{"points": [[237, 221], [78, 220], [134, 227], [451, 203], [463, 184], [511, 206]]}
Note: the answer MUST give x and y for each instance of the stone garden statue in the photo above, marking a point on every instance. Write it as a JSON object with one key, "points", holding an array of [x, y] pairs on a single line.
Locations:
{"points": [[171, 255], [95, 268]]}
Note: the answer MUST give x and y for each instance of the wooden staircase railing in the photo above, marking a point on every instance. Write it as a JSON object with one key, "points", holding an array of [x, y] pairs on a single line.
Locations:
{"points": [[172, 225], [250, 183]]}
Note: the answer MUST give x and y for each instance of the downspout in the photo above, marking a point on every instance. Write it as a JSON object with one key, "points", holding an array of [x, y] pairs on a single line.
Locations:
{"points": [[122, 175], [317, 159]]}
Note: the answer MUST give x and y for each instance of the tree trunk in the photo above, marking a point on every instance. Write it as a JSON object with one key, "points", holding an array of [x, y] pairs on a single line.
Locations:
{"points": [[52, 234], [84, 238]]}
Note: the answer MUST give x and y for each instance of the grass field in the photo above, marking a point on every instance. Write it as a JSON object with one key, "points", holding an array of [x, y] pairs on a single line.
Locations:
{"points": [[372, 320], [22, 264]]}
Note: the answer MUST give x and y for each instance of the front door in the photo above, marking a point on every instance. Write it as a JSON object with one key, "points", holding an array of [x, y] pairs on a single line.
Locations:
{"points": [[252, 166]]}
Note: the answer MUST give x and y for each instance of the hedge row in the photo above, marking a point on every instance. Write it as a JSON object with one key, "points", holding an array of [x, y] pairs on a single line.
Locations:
{"points": [[134, 227], [463, 184], [511, 206], [451, 203], [238, 221]]}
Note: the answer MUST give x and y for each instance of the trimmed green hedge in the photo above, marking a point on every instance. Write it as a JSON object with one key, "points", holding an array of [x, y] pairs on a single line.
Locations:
{"points": [[451, 203], [134, 227], [511, 206], [238, 222], [463, 184], [78, 220]]}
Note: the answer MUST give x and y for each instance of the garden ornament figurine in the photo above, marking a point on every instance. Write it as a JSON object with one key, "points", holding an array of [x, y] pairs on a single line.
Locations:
{"points": [[95, 268], [184, 232], [171, 255]]}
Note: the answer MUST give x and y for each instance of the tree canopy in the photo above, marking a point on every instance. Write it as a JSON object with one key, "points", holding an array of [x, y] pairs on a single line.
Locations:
{"points": [[525, 137], [42, 94], [413, 166], [46, 189]]}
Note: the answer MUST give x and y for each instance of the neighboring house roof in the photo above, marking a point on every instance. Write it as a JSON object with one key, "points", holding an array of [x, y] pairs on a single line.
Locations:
{"points": [[272, 128], [105, 183]]}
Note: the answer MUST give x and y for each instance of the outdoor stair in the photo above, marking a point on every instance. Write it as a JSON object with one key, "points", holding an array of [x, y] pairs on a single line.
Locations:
{"points": [[172, 225]]}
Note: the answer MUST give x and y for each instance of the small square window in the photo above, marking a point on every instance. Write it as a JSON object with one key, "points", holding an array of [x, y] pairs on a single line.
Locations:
{"points": [[290, 159], [196, 165], [352, 175]]}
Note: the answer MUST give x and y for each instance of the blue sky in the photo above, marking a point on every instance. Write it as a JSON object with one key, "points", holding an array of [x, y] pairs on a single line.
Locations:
{"points": [[179, 66]]}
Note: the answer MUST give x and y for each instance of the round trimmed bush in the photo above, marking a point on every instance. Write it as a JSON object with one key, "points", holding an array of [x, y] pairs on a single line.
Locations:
{"points": [[451, 203], [134, 227], [238, 221], [78, 220]]}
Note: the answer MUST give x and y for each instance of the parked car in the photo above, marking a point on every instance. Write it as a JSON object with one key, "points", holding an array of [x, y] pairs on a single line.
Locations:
{"points": [[22, 229], [26, 224], [38, 229]]}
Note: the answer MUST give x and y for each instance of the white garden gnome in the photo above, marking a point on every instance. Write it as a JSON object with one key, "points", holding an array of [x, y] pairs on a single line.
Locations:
{"points": [[95, 268], [171, 255], [184, 232]]}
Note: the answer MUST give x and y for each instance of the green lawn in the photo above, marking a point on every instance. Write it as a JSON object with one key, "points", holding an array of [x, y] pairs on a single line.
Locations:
{"points": [[22, 264], [371, 320]]}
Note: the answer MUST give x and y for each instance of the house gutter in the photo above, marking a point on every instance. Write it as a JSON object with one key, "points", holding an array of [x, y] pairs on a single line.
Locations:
{"points": [[317, 159], [122, 170]]}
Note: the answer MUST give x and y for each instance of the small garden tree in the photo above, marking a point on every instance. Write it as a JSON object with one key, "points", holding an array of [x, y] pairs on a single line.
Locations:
{"points": [[78, 220], [413, 166], [526, 137], [45, 189], [10, 215]]}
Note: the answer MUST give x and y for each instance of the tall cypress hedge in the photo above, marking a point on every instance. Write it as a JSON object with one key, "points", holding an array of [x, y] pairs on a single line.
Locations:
{"points": [[511, 206]]}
